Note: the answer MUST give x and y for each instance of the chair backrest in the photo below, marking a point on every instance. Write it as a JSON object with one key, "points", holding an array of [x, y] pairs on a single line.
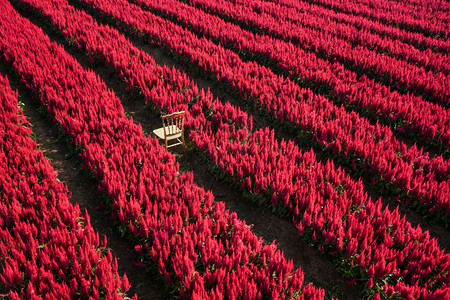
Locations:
{"points": [[174, 123]]}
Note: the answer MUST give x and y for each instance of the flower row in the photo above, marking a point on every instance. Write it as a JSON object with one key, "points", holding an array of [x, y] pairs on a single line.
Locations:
{"points": [[416, 39], [390, 71], [423, 11], [435, 62], [378, 246], [344, 135], [430, 4], [320, 198], [47, 248], [427, 27], [362, 93], [201, 250]]}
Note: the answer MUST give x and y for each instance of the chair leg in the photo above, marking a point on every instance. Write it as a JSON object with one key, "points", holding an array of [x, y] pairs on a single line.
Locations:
{"points": [[165, 143]]}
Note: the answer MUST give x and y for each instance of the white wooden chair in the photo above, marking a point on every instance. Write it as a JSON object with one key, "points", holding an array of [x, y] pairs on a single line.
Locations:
{"points": [[173, 129]]}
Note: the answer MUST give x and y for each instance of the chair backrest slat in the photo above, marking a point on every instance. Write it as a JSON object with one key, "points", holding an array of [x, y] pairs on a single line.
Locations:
{"points": [[174, 123]]}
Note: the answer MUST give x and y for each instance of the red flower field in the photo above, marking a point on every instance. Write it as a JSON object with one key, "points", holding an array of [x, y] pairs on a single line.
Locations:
{"points": [[332, 115]]}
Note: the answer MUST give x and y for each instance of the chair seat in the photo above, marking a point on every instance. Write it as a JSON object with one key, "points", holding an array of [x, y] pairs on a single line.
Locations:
{"points": [[170, 129]]}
